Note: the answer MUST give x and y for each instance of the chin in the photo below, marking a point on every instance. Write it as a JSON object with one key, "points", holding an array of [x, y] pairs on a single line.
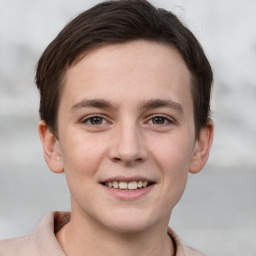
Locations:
{"points": [[128, 228], [128, 223]]}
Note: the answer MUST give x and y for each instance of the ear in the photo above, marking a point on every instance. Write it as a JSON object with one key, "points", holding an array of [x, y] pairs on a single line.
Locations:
{"points": [[202, 148], [51, 147]]}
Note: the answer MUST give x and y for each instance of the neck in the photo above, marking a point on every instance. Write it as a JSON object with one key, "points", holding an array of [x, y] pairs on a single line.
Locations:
{"points": [[84, 237]]}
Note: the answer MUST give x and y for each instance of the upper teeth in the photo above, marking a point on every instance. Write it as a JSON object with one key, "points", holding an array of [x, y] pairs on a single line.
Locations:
{"points": [[127, 185]]}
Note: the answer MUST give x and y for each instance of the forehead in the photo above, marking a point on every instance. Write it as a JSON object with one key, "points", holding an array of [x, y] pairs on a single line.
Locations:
{"points": [[140, 68]]}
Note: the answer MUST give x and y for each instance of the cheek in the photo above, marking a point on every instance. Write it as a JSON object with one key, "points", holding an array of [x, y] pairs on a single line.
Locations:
{"points": [[173, 159], [173, 153], [81, 156], [81, 162]]}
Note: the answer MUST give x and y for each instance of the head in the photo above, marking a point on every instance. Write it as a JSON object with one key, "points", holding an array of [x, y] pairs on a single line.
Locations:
{"points": [[125, 91], [115, 22]]}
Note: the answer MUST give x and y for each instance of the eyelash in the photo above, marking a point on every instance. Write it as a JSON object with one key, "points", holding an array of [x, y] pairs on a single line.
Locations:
{"points": [[89, 119], [166, 120], [163, 118]]}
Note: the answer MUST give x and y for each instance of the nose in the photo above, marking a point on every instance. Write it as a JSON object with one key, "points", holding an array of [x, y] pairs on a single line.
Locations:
{"points": [[128, 146]]}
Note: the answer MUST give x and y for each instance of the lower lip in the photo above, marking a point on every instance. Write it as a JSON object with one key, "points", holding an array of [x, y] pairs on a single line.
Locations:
{"points": [[129, 194]]}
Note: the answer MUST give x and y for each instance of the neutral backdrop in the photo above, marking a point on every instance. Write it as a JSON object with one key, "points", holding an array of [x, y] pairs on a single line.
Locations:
{"points": [[217, 213]]}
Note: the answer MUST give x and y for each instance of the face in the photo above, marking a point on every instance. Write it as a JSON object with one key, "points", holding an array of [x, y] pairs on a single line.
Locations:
{"points": [[126, 134]]}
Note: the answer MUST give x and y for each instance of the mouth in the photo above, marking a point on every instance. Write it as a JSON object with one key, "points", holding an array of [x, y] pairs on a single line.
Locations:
{"points": [[128, 188], [131, 185]]}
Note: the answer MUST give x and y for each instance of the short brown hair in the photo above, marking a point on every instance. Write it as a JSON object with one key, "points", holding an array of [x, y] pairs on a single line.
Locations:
{"points": [[121, 21]]}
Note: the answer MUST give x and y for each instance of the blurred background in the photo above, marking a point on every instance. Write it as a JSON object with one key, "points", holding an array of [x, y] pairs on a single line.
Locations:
{"points": [[217, 213]]}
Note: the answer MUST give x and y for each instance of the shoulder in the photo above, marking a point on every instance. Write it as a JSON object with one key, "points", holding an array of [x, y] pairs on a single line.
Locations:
{"points": [[41, 242], [181, 248], [19, 246]]}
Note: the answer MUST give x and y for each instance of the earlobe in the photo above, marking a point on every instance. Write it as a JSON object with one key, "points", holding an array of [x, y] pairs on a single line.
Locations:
{"points": [[51, 147], [202, 148]]}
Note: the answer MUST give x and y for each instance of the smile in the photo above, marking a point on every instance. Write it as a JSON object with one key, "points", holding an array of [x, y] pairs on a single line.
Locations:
{"points": [[128, 188], [132, 185]]}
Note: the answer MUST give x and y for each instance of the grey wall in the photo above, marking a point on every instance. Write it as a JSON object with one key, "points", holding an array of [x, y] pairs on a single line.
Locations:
{"points": [[217, 213]]}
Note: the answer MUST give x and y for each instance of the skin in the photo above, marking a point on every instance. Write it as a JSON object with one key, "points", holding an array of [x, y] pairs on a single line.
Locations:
{"points": [[129, 136]]}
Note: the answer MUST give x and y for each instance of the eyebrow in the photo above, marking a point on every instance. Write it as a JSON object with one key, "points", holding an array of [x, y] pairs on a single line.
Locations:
{"points": [[95, 103], [158, 103], [147, 105]]}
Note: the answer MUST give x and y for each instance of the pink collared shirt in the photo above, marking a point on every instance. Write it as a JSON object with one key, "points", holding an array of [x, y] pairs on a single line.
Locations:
{"points": [[43, 242]]}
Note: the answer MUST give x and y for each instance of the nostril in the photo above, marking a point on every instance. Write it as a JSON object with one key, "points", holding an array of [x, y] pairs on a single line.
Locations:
{"points": [[117, 159], [125, 154], [128, 161]]}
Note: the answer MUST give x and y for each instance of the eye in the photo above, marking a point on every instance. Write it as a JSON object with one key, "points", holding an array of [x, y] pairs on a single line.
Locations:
{"points": [[160, 120], [95, 120]]}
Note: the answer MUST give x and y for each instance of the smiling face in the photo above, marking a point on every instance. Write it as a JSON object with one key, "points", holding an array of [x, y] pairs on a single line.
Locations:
{"points": [[126, 136]]}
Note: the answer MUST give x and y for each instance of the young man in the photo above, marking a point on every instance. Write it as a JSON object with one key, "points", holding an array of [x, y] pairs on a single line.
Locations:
{"points": [[125, 101]]}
